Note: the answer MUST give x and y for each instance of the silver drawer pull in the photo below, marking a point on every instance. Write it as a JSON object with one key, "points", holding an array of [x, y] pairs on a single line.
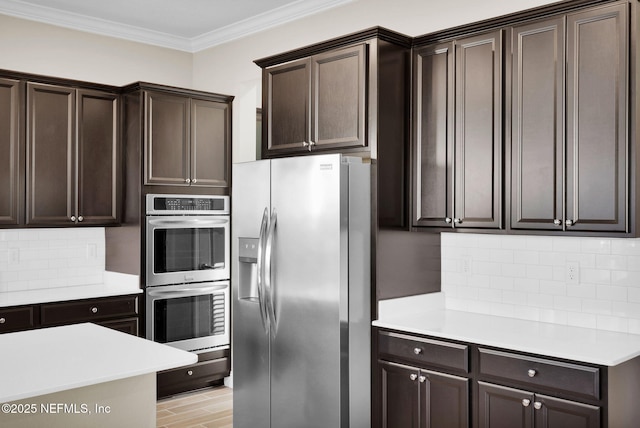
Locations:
{"points": [[94, 309], [526, 402], [417, 351], [2, 320], [190, 372], [537, 405], [532, 372], [413, 376], [422, 379]]}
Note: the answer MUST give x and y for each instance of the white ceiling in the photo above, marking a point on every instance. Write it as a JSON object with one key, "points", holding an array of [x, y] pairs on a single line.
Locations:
{"points": [[188, 25]]}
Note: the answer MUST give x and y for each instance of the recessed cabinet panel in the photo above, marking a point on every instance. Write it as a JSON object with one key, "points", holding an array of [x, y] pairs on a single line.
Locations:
{"points": [[288, 99], [167, 139], [98, 151], [502, 407], [537, 142], [210, 131], [400, 400], [433, 149], [444, 400], [478, 145], [339, 98], [597, 91], [558, 413], [50, 154], [11, 152]]}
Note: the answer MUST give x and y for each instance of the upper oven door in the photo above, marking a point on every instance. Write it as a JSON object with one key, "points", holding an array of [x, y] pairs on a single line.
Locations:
{"points": [[184, 249]]}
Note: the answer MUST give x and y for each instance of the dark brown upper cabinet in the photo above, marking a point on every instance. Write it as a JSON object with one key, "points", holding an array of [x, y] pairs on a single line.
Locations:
{"points": [[458, 143], [72, 156], [317, 103], [569, 143], [11, 152], [187, 140]]}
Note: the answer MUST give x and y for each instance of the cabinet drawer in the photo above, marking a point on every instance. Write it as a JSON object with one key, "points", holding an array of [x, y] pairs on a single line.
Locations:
{"points": [[88, 310], [191, 377], [572, 378], [424, 351], [16, 319]]}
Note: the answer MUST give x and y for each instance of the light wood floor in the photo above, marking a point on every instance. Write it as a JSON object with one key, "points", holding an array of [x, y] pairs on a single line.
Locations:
{"points": [[207, 408]]}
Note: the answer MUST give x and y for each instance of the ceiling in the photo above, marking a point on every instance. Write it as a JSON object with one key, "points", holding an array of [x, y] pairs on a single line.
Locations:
{"points": [[188, 25]]}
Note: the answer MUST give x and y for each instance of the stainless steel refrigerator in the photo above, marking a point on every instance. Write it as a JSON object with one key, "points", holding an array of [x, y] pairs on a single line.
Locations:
{"points": [[301, 293]]}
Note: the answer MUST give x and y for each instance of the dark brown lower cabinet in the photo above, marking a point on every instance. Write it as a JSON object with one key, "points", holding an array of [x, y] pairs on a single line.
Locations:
{"points": [[417, 398], [503, 407], [211, 369]]}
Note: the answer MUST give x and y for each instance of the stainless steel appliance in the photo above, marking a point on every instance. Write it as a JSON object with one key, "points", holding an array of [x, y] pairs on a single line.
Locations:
{"points": [[187, 271], [301, 293], [187, 239]]}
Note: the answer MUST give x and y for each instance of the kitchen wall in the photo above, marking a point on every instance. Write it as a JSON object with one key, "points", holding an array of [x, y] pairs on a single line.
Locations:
{"points": [[527, 277], [32, 259]]}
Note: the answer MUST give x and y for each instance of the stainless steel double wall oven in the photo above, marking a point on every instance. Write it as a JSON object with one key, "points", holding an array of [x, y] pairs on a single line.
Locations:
{"points": [[187, 271]]}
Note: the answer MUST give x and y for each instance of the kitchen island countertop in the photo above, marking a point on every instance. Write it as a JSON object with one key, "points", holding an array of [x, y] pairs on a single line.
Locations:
{"points": [[561, 341]]}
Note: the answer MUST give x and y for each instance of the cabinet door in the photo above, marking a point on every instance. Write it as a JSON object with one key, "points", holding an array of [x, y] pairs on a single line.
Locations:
{"points": [[557, 413], [167, 139], [210, 143], [597, 147], [11, 152], [51, 155], [98, 153], [400, 405], [433, 135], [478, 146], [338, 98], [444, 400], [502, 407], [287, 91], [537, 132]]}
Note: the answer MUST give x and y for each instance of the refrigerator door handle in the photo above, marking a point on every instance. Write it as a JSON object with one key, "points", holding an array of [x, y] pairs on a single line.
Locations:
{"points": [[268, 272], [260, 267]]}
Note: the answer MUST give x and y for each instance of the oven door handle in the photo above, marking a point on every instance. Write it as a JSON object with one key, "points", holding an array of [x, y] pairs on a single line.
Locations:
{"points": [[187, 221], [182, 291]]}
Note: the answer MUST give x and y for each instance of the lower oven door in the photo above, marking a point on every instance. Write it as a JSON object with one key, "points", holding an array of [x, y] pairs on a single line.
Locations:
{"points": [[192, 317]]}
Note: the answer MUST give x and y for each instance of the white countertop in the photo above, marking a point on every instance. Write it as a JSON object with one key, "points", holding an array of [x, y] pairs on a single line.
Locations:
{"points": [[49, 360], [555, 340], [115, 284]]}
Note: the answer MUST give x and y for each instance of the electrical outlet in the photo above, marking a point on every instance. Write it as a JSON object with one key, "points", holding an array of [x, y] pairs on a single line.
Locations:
{"points": [[466, 265], [14, 256], [92, 251], [572, 273]]}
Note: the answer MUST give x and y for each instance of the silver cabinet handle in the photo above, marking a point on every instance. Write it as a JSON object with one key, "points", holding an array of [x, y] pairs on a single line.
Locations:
{"points": [[94, 309], [526, 402], [531, 372], [457, 220], [417, 351], [80, 218], [73, 218], [187, 180], [309, 145], [422, 379], [569, 222], [557, 222], [448, 220], [2, 320], [537, 405], [413, 376], [190, 372], [194, 181]]}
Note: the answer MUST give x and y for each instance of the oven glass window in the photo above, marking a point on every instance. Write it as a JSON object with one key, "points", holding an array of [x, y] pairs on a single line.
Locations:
{"points": [[185, 318], [183, 250]]}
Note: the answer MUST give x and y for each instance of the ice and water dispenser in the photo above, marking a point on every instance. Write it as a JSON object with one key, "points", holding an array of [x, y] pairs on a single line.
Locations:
{"points": [[248, 269]]}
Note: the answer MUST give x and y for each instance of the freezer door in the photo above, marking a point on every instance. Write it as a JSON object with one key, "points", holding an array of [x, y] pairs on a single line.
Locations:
{"points": [[250, 343], [309, 286]]}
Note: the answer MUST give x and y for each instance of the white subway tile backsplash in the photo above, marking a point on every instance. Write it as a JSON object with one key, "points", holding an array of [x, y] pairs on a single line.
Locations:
{"points": [[526, 277], [33, 259]]}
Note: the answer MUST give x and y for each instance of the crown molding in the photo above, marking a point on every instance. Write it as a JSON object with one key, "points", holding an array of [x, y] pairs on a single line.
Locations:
{"points": [[264, 21]]}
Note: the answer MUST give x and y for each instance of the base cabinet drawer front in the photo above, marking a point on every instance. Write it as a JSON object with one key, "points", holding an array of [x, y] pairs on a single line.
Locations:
{"points": [[17, 319], [127, 325], [199, 375], [503, 407], [88, 310], [424, 351], [539, 372]]}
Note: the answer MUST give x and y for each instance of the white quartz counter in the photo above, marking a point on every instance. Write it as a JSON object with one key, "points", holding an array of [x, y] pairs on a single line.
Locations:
{"points": [[560, 341], [114, 284], [49, 360]]}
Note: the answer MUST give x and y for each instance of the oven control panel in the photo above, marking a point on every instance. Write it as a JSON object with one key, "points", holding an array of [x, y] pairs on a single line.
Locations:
{"points": [[187, 204]]}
